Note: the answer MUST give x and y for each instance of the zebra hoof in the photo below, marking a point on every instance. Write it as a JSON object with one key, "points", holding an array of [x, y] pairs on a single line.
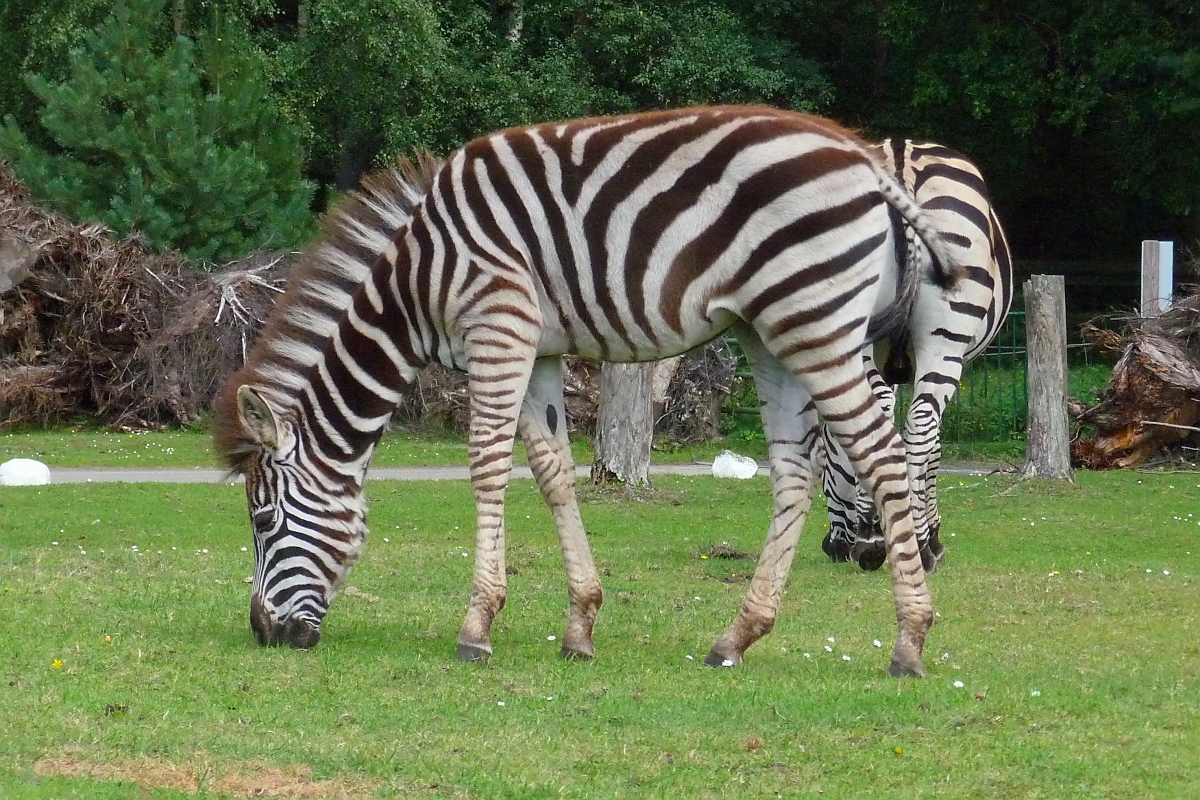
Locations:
{"points": [[898, 670], [573, 654], [472, 652], [715, 659], [936, 547], [837, 549], [871, 560], [928, 560]]}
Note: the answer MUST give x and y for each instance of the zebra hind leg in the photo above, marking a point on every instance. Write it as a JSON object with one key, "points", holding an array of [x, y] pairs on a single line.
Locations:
{"points": [[790, 423], [854, 416], [839, 483], [543, 426]]}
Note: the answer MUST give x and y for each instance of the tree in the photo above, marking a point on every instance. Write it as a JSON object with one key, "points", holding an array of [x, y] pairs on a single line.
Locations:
{"points": [[624, 425], [179, 141]]}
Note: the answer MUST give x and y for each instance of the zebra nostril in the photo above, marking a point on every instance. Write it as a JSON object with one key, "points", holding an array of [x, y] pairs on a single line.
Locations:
{"points": [[301, 634]]}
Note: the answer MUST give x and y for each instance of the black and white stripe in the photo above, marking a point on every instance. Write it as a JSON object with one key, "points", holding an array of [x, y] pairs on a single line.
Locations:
{"points": [[946, 330], [624, 238]]}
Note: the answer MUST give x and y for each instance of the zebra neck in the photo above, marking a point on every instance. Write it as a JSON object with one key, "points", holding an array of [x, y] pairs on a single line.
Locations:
{"points": [[358, 380]]}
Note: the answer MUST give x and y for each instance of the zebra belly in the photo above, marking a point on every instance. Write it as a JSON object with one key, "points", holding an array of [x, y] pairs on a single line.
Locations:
{"points": [[557, 339]]}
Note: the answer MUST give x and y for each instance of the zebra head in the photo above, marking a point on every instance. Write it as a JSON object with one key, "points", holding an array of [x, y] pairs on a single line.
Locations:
{"points": [[309, 525]]}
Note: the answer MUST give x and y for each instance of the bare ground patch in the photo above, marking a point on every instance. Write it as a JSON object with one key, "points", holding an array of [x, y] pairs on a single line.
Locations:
{"points": [[252, 779]]}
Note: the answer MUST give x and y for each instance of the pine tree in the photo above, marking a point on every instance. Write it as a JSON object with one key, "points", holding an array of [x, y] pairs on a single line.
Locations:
{"points": [[178, 140]]}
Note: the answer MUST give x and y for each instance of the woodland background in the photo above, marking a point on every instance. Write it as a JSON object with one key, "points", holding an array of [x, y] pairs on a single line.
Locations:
{"points": [[223, 127]]}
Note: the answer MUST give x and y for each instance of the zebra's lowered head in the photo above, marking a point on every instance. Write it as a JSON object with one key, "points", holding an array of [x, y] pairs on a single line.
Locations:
{"points": [[304, 463], [309, 527]]}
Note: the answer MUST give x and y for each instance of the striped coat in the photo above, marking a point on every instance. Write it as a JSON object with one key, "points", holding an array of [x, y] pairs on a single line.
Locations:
{"points": [[624, 238]]}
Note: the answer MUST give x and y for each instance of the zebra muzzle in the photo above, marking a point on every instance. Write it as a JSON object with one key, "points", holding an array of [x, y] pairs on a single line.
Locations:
{"points": [[293, 632]]}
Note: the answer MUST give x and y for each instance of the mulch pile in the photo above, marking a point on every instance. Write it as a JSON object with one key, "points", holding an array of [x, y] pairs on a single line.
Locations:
{"points": [[1150, 409], [92, 326]]}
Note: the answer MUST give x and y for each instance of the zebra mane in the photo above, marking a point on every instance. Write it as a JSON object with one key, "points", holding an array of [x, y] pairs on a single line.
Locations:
{"points": [[320, 288]]}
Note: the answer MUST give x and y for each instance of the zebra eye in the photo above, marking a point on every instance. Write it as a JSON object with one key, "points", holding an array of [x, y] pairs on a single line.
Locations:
{"points": [[263, 517]]}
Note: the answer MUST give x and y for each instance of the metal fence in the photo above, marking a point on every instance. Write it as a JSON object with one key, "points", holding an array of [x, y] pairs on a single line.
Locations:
{"points": [[991, 404]]}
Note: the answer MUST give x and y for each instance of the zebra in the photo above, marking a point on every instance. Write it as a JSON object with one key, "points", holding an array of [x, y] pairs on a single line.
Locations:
{"points": [[627, 238], [947, 329]]}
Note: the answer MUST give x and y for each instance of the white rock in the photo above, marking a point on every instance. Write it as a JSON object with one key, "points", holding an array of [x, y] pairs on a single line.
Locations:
{"points": [[730, 465], [24, 472]]}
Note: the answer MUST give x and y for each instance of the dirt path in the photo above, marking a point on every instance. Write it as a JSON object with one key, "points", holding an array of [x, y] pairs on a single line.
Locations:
{"points": [[209, 475]]}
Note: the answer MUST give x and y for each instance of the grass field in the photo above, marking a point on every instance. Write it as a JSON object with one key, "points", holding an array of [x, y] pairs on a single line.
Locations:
{"points": [[1063, 663]]}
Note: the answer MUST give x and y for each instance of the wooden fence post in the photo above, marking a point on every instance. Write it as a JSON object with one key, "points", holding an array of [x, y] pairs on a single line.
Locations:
{"points": [[1158, 276], [1048, 451]]}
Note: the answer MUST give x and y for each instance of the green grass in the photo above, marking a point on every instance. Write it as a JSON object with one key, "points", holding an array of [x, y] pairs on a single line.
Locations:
{"points": [[1077, 652]]}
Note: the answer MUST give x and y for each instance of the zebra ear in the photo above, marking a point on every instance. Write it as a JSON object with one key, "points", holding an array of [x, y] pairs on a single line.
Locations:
{"points": [[257, 417]]}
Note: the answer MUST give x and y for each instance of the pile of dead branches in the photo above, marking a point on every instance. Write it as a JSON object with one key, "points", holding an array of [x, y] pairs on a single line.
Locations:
{"points": [[105, 328], [1151, 406]]}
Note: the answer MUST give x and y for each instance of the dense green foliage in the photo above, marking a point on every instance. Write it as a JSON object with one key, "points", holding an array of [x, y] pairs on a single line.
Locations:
{"points": [[179, 140], [1065, 611], [1084, 115]]}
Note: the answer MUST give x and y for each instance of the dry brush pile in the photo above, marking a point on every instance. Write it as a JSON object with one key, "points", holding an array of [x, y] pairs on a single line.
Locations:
{"points": [[108, 330], [1151, 405], [104, 328]]}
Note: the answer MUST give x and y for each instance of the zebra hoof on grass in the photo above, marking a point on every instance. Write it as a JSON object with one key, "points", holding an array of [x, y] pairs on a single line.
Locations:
{"points": [[898, 670], [576, 654], [871, 559], [473, 653], [928, 560], [715, 659], [838, 549]]}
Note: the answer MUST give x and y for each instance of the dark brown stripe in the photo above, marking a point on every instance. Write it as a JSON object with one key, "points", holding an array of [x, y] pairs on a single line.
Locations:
{"points": [[752, 195], [530, 159]]}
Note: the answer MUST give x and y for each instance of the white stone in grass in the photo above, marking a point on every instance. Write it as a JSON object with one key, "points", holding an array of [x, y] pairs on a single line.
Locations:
{"points": [[24, 472], [730, 465], [958, 684]]}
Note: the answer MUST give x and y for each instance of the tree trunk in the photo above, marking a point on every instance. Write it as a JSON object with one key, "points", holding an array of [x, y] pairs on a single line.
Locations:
{"points": [[624, 425], [1048, 439], [660, 382]]}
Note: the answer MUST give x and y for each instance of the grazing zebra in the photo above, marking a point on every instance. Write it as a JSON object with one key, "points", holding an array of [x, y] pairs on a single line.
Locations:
{"points": [[622, 239], [947, 329]]}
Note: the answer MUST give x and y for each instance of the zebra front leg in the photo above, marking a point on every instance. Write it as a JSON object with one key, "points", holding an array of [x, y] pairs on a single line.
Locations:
{"points": [[922, 438], [867, 546], [790, 424], [543, 426], [498, 373]]}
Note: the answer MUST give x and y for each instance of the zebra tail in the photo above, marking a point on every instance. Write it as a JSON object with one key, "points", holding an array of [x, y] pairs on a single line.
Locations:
{"points": [[946, 270], [920, 244]]}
